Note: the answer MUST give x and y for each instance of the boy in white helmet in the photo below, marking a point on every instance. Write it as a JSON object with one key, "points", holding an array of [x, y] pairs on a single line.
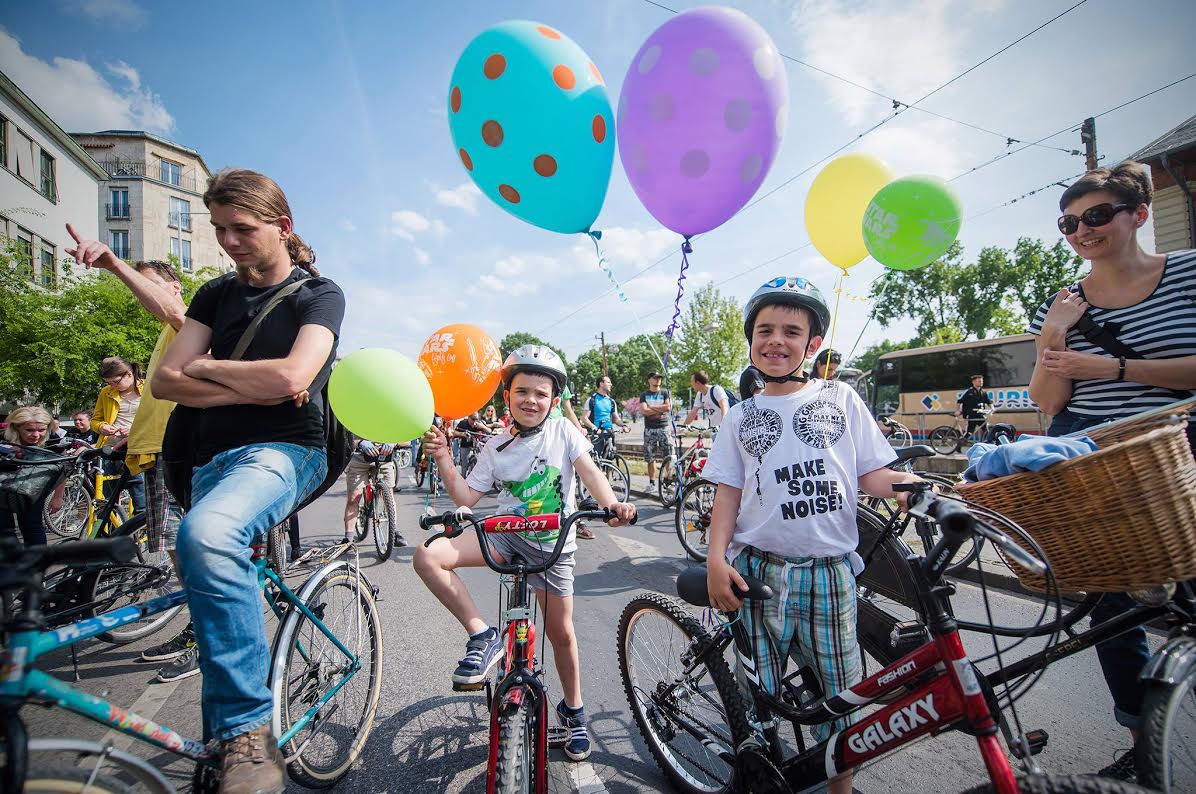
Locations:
{"points": [[788, 463], [533, 463]]}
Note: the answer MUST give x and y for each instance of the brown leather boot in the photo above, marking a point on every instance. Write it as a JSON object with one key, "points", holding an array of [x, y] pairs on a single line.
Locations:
{"points": [[252, 764]]}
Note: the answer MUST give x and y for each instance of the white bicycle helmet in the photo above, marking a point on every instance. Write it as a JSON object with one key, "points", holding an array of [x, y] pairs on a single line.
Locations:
{"points": [[788, 291], [535, 358]]}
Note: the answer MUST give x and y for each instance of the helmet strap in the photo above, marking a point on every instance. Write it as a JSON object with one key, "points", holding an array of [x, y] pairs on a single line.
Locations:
{"points": [[790, 378], [520, 430]]}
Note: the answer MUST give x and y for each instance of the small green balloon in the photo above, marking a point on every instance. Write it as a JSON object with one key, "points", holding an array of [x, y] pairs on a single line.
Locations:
{"points": [[911, 222], [381, 395]]}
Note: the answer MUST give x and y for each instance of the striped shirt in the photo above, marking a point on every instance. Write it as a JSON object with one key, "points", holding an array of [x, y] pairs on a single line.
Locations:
{"points": [[1162, 326]]}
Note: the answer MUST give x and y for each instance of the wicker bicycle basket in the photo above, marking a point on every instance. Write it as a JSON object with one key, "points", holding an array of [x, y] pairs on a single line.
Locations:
{"points": [[1120, 518]]}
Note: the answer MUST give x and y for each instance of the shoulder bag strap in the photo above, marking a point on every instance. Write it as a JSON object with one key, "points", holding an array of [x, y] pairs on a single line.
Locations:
{"points": [[247, 336]]}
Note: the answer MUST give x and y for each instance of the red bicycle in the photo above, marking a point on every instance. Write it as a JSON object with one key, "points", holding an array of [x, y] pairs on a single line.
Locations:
{"points": [[519, 732], [689, 710]]}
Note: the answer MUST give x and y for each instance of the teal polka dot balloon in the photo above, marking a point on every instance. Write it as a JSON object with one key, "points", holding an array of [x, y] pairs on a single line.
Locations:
{"points": [[532, 124]]}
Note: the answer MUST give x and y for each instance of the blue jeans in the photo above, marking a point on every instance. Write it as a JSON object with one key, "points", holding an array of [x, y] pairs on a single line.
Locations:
{"points": [[236, 497]]}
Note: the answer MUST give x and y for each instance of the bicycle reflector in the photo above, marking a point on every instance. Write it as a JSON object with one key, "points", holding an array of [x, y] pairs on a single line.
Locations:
{"points": [[546, 522]]}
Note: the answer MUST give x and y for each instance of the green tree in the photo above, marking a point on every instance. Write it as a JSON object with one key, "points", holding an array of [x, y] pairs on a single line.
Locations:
{"points": [[866, 361], [1041, 272], [629, 363], [710, 338], [518, 339], [584, 373]]}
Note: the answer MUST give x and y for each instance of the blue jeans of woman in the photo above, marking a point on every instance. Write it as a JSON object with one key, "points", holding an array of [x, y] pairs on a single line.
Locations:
{"points": [[236, 497], [1123, 657]]}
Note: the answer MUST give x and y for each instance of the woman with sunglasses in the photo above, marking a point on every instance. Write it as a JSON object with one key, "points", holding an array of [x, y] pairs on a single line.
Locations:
{"points": [[1146, 302]]}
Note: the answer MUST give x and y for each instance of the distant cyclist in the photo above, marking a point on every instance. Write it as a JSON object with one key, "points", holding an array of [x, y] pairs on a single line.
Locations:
{"points": [[972, 402], [709, 400], [602, 412]]}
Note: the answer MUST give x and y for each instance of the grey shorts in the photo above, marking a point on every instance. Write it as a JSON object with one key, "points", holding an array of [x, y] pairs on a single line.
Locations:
{"points": [[656, 444], [559, 577]]}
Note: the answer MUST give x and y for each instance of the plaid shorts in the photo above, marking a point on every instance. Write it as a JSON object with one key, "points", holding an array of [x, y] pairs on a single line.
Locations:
{"points": [[162, 514], [811, 621], [657, 445]]}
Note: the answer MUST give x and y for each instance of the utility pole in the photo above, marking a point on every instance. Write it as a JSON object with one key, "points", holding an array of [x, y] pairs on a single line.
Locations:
{"points": [[1088, 138], [602, 339]]}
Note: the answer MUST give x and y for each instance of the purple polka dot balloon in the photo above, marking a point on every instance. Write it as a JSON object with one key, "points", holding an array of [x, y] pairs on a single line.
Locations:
{"points": [[701, 117]]}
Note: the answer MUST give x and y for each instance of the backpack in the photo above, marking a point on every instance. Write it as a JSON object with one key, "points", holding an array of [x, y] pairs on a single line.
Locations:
{"points": [[732, 395], [178, 442]]}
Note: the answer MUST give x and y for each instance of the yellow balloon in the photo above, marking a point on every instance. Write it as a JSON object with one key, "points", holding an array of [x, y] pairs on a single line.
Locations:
{"points": [[836, 204]]}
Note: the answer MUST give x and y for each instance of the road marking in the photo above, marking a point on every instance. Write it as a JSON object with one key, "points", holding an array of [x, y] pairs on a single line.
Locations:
{"points": [[148, 705], [579, 777], [641, 553]]}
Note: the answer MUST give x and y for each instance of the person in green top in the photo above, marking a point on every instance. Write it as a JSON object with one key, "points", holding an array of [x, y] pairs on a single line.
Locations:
{"points": [[565, 408]]}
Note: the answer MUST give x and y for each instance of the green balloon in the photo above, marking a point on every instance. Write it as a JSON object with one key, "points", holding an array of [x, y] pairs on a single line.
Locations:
{"points": [[911, 222], [381, 395]]}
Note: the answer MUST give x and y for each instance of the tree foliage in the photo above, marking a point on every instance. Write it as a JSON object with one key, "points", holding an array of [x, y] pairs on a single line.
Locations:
{"points": [[54, 338], [710, 338], [866, 361], [953, 300]]}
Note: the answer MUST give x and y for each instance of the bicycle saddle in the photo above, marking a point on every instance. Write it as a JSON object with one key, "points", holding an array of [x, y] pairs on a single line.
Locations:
{"points": [[913, 453], [691, 586]]}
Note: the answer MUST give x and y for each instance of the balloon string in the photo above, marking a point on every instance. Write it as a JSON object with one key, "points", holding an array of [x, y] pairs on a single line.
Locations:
{"points": [[595, 236], [830, 345], [686, 249]]}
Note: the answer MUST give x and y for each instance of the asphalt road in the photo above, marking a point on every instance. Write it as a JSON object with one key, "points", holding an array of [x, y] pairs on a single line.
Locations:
{"points": [[429, 739]]}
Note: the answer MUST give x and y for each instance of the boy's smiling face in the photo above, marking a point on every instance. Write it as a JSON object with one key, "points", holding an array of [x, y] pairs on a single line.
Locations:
{"points": [[781, 340], [530, 398]]}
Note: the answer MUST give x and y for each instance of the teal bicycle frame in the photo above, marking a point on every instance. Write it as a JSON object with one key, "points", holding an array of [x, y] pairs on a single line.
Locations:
{"points": [[21, 683]]}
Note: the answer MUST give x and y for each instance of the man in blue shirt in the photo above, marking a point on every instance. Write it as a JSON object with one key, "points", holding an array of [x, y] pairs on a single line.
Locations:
{"points": [[602, 413]]}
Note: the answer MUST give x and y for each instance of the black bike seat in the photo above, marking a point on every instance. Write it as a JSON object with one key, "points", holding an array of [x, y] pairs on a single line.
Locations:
{"points": [[906, 454], [691, 586]]}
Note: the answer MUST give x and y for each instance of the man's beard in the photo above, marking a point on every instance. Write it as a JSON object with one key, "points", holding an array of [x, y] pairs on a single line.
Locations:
{"points": [[248, 273]]}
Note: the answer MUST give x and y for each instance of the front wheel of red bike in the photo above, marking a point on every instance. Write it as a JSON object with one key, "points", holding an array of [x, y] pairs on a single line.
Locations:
{"points": [[512, 767]]}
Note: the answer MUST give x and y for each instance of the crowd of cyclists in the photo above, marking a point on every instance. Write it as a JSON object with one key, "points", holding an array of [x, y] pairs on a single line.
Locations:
{"points": [[251, 380]]}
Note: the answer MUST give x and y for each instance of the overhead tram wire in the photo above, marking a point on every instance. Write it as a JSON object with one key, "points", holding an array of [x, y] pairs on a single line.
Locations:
{"points": [[898, 108]]}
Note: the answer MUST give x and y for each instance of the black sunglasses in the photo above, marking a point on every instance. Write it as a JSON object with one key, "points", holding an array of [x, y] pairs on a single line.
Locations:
{"points": [[1092, 217]]}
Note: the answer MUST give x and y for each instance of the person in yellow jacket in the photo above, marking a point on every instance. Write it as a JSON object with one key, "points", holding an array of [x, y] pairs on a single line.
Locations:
{"points": [[159, 288], [113, 415]]}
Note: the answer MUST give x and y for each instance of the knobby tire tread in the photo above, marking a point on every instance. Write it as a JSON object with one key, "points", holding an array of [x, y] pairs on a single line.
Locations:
{"points": [[1158, 709], [513, 767]]}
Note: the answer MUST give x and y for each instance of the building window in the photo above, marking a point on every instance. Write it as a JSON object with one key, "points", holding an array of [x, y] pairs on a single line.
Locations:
{"points": [[49, 185], [170, 173], [187, 255], [3, 141], [24, 151], [118, 203], [180, 214], [119, 243], [49, 269], [25, 253], [181, 250]]}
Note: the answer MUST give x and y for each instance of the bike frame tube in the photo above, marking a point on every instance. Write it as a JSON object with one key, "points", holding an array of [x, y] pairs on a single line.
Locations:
{"points": [[38, 643]]}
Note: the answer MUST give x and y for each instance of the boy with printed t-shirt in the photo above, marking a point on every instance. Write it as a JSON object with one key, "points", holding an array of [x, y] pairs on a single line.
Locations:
{"points": [[533, 463], [788, 463]]}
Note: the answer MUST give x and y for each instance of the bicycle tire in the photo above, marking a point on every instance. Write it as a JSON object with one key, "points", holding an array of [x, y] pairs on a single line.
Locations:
{"points": [[276, 548], [1164, 731], [138, 580], [666, 483], [467, 464], [402, 457], [654, 719], [513, 754], [1065, 784], [945, 439], [303, 666], [75, 512], [51, 778], [621, 462], [619, 486], [691, 517], [364, 518], [421, 472], [384, 521]]}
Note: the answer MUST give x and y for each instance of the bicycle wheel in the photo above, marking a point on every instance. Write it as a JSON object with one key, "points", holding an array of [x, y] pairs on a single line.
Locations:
{"points": [[619, 484], [692, 517], [122, 585], [513, 762], [385, 528], [421, 471], [1166, 747], [945, 439], [61, 778], [306, 667], [1066, 784], [402, 457], [276, 548], [671, 702], [666, 483], [621, 462], [365, 517], [72, 516], [885, 590]]}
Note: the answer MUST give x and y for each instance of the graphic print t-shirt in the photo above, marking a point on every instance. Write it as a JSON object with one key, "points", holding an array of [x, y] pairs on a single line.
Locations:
{"points": [[798, 460], [532, 474], [655, 398], [708, 403]]}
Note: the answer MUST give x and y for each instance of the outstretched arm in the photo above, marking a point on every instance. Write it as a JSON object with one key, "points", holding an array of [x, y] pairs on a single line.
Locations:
{"points": [[157, 299]]}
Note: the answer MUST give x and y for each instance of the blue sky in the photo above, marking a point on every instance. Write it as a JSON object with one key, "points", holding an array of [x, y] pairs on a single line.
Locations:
{"points": [[344, 104]]}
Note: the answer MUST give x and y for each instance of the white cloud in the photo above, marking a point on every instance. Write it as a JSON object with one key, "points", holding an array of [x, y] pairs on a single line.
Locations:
{"points": [[625, 246], [463, 197], [422, 257], [922, 146], [505, 286], [408, 223], [123, 13], [79, 98], [346, 225], [899, 47]]}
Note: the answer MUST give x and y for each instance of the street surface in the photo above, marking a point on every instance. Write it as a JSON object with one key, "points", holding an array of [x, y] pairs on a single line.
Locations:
{"points": [[429, 739]]}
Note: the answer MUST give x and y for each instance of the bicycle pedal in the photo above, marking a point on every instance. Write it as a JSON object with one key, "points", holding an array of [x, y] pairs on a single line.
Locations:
{"points": [[478, 687], [1036, 740], [558, 736]]}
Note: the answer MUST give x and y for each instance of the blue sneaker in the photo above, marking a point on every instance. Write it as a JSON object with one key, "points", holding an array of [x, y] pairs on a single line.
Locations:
{"points": [[482, 652], [577, 748]]}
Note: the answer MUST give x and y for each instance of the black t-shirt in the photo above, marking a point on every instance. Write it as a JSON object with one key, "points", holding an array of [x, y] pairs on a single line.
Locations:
{"points": [[86, 436], [227, 306], [655, 398], [971, 400]]}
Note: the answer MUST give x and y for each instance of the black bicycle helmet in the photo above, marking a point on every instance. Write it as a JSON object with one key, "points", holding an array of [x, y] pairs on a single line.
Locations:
{"points": [[750, 382], [535, 358], [832, 355], [789, 291]]}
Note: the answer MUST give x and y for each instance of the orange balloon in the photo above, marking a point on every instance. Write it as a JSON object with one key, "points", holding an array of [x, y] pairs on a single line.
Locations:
{"points": [[462, 364]]}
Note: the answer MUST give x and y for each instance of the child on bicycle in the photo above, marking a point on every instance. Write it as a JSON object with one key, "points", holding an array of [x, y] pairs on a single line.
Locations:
{"points": [[788, 464], [533, 463]]}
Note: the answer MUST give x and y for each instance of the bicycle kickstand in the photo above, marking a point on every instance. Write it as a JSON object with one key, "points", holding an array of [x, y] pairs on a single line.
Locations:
{"points": [[75, 663]]}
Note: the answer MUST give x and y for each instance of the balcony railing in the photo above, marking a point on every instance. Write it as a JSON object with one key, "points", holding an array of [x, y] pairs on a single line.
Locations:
{"points": [[137, 168], [116, 212]]}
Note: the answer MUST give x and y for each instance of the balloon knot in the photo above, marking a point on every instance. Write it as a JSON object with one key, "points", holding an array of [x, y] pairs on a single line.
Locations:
{"points": [[686, 247], [596, 234]]}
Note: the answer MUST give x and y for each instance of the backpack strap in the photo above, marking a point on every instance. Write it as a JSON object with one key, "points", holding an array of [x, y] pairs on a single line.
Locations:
{"points": [[277, 298]]}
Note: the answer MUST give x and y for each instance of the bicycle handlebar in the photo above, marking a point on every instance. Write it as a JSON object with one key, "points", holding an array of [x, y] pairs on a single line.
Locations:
{"points": [[456, 522], [957, 522]]}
